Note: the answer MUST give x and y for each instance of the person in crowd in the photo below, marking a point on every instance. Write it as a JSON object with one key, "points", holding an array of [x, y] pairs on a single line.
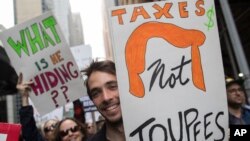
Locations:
{"points": [[70, 129], [30, 131], [91, 129], [48, 129], [100, 123], [238, 114], [102, 89]]}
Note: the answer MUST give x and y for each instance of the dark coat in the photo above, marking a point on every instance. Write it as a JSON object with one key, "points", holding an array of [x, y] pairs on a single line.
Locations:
{"points": [[100, 135], [29, 130]]}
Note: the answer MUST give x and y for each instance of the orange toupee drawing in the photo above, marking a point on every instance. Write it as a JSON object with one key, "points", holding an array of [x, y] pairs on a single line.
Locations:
{"points": [[135, 51]]}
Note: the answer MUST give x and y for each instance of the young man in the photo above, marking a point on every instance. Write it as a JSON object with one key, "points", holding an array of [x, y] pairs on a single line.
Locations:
{"points": [[102, 89], [238, 114]]}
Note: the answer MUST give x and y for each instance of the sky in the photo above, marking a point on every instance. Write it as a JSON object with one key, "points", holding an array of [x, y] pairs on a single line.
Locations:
{"points": [[91, 14], [90, 11]]}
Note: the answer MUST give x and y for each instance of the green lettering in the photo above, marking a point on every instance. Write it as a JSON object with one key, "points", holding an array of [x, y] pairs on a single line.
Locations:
{"points": [[36, 40], [46, 38], [18, 47], [50, 22]]}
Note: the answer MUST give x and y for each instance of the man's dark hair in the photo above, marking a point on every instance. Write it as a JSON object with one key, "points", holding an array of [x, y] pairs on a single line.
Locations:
{"points": [[233, 81], [102, 66]]}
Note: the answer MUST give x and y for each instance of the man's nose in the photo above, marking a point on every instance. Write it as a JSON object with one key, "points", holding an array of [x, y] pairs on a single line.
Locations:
{"points": [[239, 90], [106, 94]]}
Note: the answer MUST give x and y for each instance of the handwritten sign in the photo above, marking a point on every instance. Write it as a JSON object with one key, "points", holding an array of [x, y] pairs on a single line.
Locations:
{"points": [[9, 132], [38, 49], [170, 71]]}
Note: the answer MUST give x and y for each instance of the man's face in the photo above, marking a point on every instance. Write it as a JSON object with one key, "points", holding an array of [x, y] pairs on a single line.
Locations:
{"points": [[104, 92], [235, 95]]}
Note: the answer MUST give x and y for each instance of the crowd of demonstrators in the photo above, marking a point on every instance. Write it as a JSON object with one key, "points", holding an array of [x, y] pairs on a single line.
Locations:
{"points": [[102, 89], [67, 129], [237, 103]]}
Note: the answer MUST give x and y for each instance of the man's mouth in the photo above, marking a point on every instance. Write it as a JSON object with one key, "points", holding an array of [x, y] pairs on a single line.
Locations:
{"points": [[112, 107]]}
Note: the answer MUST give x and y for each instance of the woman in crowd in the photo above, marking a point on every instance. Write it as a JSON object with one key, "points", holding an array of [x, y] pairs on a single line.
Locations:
{"points": [[48, 129], [70, 129]]}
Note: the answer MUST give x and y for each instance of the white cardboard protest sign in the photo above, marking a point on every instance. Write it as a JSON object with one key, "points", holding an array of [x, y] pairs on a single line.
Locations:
{"points": [[82, 55], [170, 71], [38, 49]]}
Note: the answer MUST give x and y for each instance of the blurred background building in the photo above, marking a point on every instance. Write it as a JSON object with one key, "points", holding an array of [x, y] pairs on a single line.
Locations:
{"points": [[233, 25]]}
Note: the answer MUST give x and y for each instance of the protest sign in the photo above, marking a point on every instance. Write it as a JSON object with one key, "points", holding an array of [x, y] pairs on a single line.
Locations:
{"points": [[9, 132], [38, 49], [170, 71], [88, 104], [82, 55]]}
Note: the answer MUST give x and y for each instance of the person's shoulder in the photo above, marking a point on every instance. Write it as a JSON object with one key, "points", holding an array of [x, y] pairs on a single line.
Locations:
{"points": [[247, 106], [97, 137], [246, 110]]}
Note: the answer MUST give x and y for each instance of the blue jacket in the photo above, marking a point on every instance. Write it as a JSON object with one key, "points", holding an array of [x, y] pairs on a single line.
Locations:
{"points": [[244, 120]]}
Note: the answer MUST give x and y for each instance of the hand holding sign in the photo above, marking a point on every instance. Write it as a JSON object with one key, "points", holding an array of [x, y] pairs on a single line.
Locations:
{"points": [[24, 89]]}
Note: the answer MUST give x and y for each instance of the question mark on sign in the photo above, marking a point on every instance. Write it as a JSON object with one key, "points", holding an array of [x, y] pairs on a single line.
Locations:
{"points": [[65, 89], [54, 96]]}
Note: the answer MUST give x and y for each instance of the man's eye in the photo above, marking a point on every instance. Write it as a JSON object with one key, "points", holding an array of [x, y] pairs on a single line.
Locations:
{"points": [[94, 94], [112, 87]]}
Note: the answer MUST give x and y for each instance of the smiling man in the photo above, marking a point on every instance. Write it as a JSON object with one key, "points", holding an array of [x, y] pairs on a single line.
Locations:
{"points": [[102, 89]]}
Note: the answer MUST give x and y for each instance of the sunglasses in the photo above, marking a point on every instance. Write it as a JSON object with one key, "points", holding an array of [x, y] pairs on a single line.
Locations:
{"points": [[72, 129], [50, 128]]}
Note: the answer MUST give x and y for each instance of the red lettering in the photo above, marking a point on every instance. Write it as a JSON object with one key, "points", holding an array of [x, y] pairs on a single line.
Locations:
{"points": [[51, 79]]}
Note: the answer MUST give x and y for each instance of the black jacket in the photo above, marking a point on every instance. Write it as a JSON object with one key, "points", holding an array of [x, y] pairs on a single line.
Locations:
{"points": [[29, 129], [100, 135]]}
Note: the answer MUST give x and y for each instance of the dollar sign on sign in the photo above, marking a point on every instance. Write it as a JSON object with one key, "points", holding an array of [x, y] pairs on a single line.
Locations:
{"points": [[210, 14]]}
